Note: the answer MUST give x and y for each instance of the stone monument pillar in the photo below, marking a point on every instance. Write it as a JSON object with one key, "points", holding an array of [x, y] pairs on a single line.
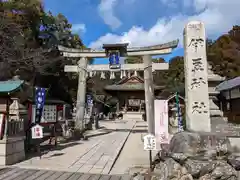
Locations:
{"points": [[196, 78], [213, 81]]}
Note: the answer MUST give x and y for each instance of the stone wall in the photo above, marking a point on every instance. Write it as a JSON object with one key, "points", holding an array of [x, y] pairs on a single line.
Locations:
{"points": [[12, 150], [203, 156]]}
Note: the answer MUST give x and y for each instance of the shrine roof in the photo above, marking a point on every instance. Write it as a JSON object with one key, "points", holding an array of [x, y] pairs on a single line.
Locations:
{"points": [[129, 87], [133, 78], [133, 83], [229, 84], [10, 85]]}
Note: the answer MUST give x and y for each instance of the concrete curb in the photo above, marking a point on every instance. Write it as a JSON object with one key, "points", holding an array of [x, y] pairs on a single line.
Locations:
{"points": [[97, 134], [120, 150]]}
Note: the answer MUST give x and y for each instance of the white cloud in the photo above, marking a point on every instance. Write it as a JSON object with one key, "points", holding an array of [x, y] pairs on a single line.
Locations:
{"points": [[106, 12], [79, 28], [217, 15]]}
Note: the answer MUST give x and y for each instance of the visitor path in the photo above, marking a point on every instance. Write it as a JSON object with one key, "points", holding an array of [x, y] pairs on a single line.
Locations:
{"points": [[138, 161], [97, 155], [32, 174]]}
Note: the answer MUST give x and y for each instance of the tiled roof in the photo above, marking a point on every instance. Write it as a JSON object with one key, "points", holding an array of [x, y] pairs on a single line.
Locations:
{"points": [[229, 84], [129, 87], [10, 85]]}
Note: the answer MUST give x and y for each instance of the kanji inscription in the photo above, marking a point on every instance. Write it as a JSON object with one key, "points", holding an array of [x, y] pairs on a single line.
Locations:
{"points": [[199, 107], [197, 82], [197, 65], [196, 43]]}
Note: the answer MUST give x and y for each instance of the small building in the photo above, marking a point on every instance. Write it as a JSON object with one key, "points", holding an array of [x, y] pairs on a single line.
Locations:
{"points": [[230, 99], [130, 93], [12, 118]]}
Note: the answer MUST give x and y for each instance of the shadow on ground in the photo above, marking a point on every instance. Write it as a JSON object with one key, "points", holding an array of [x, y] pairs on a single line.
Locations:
{"points": [[45, 149]]}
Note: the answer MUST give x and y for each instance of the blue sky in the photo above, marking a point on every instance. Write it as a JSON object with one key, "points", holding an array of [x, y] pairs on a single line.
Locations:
{"points": [[143, 22]]}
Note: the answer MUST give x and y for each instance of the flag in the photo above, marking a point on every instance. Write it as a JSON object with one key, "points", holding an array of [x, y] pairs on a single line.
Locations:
{"points": [[39, 102]]}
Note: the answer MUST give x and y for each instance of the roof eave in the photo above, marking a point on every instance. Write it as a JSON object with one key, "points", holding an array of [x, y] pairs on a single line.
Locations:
{"points": [[13, 90]]}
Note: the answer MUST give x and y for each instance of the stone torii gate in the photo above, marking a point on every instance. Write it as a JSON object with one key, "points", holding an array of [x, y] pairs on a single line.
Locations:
{"points": [[147, 66]]}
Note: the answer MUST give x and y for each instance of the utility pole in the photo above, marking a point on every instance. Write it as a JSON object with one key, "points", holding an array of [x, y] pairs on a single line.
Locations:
{"points": [[149, 98]]}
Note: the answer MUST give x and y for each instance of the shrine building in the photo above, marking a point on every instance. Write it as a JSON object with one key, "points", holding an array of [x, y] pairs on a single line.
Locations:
{"points": [[131, 95]]}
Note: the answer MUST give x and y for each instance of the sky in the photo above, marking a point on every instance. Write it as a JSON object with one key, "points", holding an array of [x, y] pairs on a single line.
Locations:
{"points": [[144, 22]]}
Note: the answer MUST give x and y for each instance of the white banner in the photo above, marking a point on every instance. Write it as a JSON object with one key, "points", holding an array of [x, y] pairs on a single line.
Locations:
{"points": [[161, 121]]}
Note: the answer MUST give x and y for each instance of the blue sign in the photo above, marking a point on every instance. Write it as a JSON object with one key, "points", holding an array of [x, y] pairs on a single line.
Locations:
{"points": [[39, 102], [89, 99], [114, 61]]}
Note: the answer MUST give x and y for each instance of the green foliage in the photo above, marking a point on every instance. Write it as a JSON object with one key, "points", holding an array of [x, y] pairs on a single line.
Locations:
{"points": [[224, 54], [29, 38], [133, 60]]}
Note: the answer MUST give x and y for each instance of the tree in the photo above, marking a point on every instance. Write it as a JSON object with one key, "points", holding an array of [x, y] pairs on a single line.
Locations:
{"points": [[175, 75], [224, 54], [29, 38], [158, 60], [133, 60]]}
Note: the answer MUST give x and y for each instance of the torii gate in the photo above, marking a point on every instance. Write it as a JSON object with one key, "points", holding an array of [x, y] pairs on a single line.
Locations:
{"points": [[147, 66]]}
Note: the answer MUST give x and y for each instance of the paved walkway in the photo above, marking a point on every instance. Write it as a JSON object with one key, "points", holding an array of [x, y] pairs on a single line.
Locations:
{"points": [[97, 155], [133, 157], [32, 174]]}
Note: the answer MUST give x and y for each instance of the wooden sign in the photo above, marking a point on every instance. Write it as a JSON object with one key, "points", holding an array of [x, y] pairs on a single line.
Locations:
{"points": [[150, 142], [37, 132]]}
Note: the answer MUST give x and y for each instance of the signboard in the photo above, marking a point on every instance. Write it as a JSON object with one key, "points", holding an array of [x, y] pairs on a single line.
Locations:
{"points": [[150, 142], [114, 60], [134, 102], [161, 121], [37, 132], [49, 114]]}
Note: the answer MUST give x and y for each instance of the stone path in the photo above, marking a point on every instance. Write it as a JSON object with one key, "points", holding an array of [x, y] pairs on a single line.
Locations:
{"points": [[33, 174], [133, 157], [97, 155]]}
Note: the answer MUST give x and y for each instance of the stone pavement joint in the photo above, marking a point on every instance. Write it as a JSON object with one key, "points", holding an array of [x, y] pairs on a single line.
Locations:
{"points": [[33, 174], [97, 155]]}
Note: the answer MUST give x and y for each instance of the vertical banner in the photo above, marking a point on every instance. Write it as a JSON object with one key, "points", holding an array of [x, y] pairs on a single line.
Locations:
{"points": [[39, 100], [179, 114], [89, 99], [89, 104], [161, 121]]}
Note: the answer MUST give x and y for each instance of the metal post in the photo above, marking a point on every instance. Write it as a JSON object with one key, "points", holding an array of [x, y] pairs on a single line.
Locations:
{"points": [[150, 160], [149, 93], [81, 93], [149, 98]]}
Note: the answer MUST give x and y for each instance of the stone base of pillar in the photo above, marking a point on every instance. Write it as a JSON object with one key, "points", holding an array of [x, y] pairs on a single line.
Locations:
{"points": [[78, 134], [12, 150]]}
